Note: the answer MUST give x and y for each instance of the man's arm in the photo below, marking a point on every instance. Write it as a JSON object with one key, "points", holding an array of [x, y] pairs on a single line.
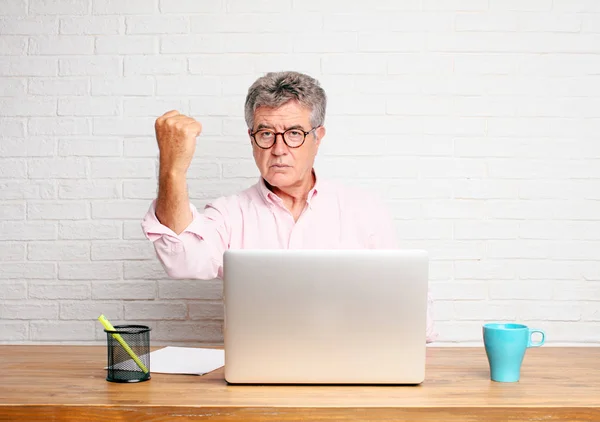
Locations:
{"points": [[176, 136]]}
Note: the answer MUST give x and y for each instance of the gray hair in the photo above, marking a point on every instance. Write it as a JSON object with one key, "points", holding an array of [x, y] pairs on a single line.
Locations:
{"points": [[277, 88]]}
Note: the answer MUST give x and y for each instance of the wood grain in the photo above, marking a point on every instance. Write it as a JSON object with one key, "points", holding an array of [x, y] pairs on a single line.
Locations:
{"points": [[68, 383]]}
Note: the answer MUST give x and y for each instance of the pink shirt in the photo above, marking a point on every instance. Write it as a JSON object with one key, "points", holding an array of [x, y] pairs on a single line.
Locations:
{"points": [[335, 217]]}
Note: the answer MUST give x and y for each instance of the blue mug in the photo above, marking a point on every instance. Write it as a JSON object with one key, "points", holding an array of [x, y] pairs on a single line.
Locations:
{"points": [[505, 346]]}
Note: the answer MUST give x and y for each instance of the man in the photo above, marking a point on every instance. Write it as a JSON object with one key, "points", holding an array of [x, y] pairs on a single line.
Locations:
{"points": [[290, 207]]}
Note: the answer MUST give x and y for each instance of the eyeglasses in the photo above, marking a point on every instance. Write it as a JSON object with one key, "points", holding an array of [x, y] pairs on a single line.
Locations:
{"points": [[293, 138]]}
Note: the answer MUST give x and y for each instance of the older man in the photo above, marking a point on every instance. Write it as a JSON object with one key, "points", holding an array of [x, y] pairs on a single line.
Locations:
{"points": [[289, 208]]}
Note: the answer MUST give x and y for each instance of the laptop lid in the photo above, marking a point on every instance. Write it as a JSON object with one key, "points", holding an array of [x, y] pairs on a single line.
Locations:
{"points": [[325, 316]]}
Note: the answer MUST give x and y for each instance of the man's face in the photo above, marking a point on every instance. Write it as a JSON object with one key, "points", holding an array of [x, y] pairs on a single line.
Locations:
{"points": [[280, 165]]}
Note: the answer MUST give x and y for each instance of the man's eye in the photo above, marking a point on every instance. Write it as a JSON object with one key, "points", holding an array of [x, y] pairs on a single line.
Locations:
{"points": [[266, 133], [295, 133]]}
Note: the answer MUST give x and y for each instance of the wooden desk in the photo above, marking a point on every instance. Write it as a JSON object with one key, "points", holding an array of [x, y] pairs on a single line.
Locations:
{"points": [[67, 383]]}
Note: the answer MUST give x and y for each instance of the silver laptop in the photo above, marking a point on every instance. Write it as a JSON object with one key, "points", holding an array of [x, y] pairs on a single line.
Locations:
{"points": [[325, 316]]}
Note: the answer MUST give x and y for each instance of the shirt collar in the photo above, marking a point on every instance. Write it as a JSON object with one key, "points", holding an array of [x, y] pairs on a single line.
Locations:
{"points": [[272, 198]]}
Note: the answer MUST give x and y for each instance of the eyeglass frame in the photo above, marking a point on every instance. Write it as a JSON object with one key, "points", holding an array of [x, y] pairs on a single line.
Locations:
{"points": [[282, 136]]}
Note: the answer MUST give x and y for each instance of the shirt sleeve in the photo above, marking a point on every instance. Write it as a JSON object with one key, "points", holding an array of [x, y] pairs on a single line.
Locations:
{"points": [[197, 252]]}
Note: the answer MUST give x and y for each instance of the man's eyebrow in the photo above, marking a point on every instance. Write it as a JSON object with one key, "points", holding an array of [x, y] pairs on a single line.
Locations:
{"points": [[267, 126]]}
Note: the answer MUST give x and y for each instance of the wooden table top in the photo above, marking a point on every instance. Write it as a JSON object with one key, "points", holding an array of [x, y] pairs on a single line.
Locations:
{"points": [[68, 383]]}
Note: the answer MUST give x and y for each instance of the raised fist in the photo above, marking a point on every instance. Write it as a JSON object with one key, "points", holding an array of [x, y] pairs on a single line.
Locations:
{"points": [[176, 136]]}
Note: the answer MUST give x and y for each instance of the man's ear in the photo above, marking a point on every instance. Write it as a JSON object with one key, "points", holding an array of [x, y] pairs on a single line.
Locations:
{"points": [[249, 136], [320, 133]]}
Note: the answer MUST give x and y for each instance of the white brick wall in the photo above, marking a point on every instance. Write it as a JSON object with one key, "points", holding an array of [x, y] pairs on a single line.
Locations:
{"points": [[476, 120]]}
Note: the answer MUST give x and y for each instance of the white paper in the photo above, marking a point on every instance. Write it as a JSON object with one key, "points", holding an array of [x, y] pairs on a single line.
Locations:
{"points": [[186, 360], [182, 360]]}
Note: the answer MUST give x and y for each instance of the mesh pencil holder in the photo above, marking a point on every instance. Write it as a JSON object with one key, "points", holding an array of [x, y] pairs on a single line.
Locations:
{"points": [[128, 348]]}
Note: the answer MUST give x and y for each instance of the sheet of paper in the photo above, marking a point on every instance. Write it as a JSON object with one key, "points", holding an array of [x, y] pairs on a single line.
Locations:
{"points": [[182, 360], [186, 360]]}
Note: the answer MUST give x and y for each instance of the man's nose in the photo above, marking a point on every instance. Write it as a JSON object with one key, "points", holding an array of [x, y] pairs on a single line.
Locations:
{"points": [[279, 147]]}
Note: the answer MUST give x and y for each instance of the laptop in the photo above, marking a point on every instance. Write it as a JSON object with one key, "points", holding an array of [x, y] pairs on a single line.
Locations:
{"points": [[325, 316]]}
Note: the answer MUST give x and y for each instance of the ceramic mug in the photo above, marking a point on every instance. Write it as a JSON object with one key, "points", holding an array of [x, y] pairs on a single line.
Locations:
{"points": [[505, 346]]}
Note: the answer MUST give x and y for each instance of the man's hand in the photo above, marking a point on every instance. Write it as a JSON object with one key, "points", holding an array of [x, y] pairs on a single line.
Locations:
{"points": [[176, 136]]}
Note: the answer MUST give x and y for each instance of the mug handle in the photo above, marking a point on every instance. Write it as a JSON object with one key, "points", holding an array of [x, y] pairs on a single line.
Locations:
{"points": [[539, 343]]}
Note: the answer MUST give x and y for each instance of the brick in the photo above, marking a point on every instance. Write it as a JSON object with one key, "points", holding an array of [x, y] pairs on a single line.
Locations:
{"points": [[424, 230], [548, 311], [53, 210], [143, 270], [486, 230], [131, 86], [62, 331], [28, 106], [59, 290], [29, 310], [455, 5], [16, 230], [101, 106], [11, 251], [14, 330], [484, 270], [163, 24], [190, 289], [12, 127], [96, 147], [12, 87], [132, 230], [88, 310], [58, 7], [486, 22], [206, 311], [521, 290], [591, 311], [91, 66], [29, 26], [117, 7], [489, 311], [123, 250], [27, 270], [58, 86], [538, 22], [229, 106], [531, 5], [485, 189], [154, 107], [191, 44], [155, 65], [89, 189], [12, 211], [90, 25], [355, 64], [12, 45], [123, 290], [89, 230], [210, 332], [239, 169], [142, 189], [122, 168], [151, 310], [137, 126], [89, 271], [262, 6], [192, 7], [29, 66], [13, 290], [27, 147], [454, 290], [125, 209], [358, 105], [249, 43], [58, 126], [61, 168], [234, 64], [12, 169], [338, 42], [14, 8], [249, 23], [126, 44], [61, 45], [140, 147], [58, 251]]}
